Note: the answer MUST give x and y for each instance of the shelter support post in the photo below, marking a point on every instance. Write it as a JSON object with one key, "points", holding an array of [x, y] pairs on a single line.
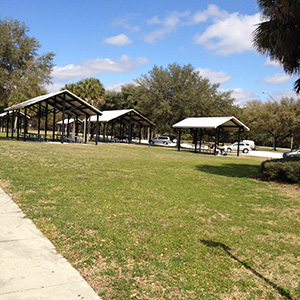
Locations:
{"points": [[196, 138], [53, 124], [18, 124], [150, 133], [178, 139], [200, 139], [130, 131], [68, 127], [107, 131], [104, 132], [25, 124], [112, 129], [46, 119], [216, 141], [39, 119], [85, 128], [239, 140], [140, 134], [76, 126], [12, 124], [97, 130], [63, 120], [7, 123]]}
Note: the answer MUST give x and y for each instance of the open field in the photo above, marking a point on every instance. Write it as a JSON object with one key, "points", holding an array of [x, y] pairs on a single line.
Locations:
{"points": [[153, 223]]}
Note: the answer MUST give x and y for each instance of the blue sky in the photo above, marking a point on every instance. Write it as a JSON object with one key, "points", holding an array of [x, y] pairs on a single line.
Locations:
{"points": [[118, 41]]}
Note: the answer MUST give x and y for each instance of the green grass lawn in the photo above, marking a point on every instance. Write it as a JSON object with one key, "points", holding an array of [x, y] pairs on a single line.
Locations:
{"points": [[154, 223]]}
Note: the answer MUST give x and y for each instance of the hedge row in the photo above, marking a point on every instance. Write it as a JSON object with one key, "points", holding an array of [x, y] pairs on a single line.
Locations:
{"points": [[282, 170]]}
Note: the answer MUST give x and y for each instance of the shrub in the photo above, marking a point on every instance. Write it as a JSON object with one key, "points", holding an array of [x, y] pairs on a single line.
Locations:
{"points": [[282, 170]]}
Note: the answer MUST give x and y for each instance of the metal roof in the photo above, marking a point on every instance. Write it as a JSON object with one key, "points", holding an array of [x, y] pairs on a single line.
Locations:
{"points": [[4, 114], [124, 114], [227, 123], [73, 104]]}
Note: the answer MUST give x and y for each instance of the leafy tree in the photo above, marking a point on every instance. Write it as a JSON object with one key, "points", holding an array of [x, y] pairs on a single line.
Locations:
{"points": [[278, 120], [125, 99], [89, 89], [113, 100], [23, 72], [279, 34], [168, 95]]}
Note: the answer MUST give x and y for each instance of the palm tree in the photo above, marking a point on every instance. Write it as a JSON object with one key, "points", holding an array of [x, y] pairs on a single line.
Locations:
{"points": [[90, 89], [279, 34]]}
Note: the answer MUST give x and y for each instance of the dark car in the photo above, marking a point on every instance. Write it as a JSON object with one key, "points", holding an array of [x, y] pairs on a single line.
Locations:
{"points": [[294, 153]]}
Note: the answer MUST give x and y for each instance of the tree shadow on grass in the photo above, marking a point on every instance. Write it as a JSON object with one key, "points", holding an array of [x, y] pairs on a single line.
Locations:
{"points": [[226, 249], [230, 170]]}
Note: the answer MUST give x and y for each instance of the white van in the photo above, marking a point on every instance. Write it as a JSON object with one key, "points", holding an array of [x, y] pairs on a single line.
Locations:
{"points": [[251, 143]]}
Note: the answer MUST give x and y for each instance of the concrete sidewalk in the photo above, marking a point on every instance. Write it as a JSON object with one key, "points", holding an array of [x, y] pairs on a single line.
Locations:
{"points": [[30, 268]]}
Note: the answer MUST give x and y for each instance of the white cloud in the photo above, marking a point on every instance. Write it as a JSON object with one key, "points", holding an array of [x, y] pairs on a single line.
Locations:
{"points": [[272, 63], [117, 86], [278, 79], [167, 25], [240, 94], [53, 88], [211, 11], [214, 77], [289, 94], [125, 23], [231, 33], [118, 40], [96, 66]]}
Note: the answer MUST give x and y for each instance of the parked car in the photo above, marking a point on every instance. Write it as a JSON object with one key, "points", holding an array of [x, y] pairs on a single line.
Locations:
{"points": [[243, 147], [226, 146], [294, 153], [120, 138], [251, 143], [162, 140]]}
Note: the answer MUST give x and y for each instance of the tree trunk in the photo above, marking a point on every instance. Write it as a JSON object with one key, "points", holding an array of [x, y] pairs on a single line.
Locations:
{"points": [[274, 142]]}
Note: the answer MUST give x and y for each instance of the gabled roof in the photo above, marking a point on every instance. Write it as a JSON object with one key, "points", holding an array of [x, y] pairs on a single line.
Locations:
{"points": [[73, 104], [226, 123], [124, 114], [4, 114]]}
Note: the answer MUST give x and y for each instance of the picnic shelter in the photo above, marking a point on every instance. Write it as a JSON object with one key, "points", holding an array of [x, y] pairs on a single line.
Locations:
{"points": [[46, 109], [119, 125], [217, 124]]}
